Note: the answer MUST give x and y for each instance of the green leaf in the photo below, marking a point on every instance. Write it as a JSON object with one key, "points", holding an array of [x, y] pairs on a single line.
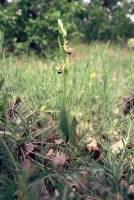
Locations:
{"points": [[64, 124], [7, 187], [73, 131], [2, 81]]}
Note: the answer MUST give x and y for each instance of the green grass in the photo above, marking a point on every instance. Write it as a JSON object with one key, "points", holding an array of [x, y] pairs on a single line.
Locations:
{"points": [[99, 76]]}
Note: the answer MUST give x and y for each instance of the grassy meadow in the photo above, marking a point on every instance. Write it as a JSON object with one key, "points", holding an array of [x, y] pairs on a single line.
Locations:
{"points": [[36, 159]]}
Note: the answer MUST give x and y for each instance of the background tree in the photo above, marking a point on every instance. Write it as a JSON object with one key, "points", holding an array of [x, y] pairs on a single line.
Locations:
{"points": [[33, 23], [107, 20]]}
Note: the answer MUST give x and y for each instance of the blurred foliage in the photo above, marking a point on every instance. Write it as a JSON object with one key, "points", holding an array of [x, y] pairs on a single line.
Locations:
{"points": [[130, 43], [33, 23], [107, 20]]}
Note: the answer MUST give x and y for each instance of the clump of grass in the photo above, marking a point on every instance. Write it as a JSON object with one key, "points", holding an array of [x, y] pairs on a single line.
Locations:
{"points": [[36, 160]]}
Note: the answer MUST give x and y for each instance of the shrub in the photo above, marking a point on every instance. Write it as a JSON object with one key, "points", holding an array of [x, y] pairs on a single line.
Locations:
{"points": [[130, 43], [33, 23]]}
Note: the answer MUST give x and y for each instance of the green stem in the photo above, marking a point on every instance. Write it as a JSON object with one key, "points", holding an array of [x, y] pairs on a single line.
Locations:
{"points": [[65, 88], [65, 77]]}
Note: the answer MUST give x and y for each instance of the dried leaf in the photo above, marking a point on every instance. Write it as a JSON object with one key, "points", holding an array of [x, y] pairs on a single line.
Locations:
{"points": [[128, 105], [50, 152], [12, 108], [74, 182], [116, 135], [131, 189], [79, 117], [92, 146], [59, 142], [84, 177], [29, 148], [18, 120], [116, 147], [59, 159], [122, 185]]}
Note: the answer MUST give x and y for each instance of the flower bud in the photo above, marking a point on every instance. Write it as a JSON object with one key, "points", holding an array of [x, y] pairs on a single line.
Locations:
{"points": [[61, 28]]}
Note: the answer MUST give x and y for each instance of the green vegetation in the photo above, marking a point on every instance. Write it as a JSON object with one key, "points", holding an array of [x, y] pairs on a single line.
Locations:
{"points": [[32, 24], [67, 124]]}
